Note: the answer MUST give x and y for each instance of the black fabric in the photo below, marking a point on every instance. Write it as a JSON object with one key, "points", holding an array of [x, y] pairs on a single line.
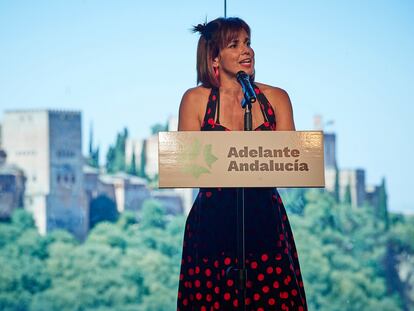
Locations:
{"points": [[274, 280]]}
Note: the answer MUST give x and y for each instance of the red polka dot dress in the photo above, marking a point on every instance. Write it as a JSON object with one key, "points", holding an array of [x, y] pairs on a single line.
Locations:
{"points": [[274, 280]]}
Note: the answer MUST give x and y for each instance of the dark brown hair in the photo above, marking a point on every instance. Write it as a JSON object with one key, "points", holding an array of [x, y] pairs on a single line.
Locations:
{"points": [[214, 36]]}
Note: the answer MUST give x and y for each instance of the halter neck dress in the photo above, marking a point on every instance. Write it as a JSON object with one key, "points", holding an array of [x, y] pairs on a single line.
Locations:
{"points": [[274, 280]]}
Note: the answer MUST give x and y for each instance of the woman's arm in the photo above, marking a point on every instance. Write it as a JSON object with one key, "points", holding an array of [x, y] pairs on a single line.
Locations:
{"points": [[189, 116]]}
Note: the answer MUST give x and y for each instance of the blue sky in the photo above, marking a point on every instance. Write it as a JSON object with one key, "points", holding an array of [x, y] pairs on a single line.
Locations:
{"points": [[127, 63]]}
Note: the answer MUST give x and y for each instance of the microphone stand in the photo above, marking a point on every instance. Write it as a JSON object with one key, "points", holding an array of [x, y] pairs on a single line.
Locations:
{"points": [[240, 214], [240, 270]]}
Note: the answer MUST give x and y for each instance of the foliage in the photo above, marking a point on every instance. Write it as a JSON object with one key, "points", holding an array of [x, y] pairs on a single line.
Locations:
{"points": [[337, 186], [383, 204], [152, 215], [341, 250], [115, 158], [294, 200], [132, 168], [402, 234], [143, 160], [156, 128], [347, 195], [348, 259], [93, 156]]}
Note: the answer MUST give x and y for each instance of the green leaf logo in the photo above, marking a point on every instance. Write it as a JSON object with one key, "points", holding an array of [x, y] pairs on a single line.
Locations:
{"points": [[195, 170], [191, 159], [195, 149], [209, 157]]}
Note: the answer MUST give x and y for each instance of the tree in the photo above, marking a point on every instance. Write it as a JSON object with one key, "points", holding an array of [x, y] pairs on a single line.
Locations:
{"points": [[23, 220], [152, 215], [133, 166], [115, 158], [345, 260], [127, 219], [143, 162], [93, 157], [294, 200], [107, 234], [156, 128], [382, 204], [337, 186], [110, 158], [342, 251], [347, 196]]}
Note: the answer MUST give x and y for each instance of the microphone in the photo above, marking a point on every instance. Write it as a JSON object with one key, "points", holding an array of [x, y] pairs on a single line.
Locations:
{"points": [[248, 90]]}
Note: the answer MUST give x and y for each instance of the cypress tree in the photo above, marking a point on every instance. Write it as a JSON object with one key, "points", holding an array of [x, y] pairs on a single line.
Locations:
{"points": [[91, 139], [119, 158], [133, 166], [143, 162], [156, 128], [96, 157], [336, 190], [115, 158], [93, 156], [383, 204], [347, 195], [110, 160]]}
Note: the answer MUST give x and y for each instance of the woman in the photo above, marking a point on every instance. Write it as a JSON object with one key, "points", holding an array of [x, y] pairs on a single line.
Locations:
{"points": [[274, 280]]}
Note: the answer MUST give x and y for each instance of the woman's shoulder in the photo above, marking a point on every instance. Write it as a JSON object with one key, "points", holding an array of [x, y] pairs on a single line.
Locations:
{"points": [[280, 101], [276, 95], [272, 91], [192, 107], [197, 93]]}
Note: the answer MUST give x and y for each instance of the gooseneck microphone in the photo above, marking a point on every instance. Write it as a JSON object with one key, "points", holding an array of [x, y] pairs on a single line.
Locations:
{"points": [[248, 90]]}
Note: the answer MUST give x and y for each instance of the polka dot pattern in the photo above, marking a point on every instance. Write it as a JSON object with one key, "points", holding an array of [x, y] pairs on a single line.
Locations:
{"points": [[209, 123], [206, 280]]}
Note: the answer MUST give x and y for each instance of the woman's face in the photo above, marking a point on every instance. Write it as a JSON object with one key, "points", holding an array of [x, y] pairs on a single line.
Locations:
{"points": [[235, 56]]}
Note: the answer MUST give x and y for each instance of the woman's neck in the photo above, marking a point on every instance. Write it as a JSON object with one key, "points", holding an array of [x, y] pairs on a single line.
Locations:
{"points": [[230, 87]]}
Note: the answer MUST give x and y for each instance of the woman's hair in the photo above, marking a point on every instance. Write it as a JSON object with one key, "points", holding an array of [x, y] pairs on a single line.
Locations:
{"points": [[214, 36]]}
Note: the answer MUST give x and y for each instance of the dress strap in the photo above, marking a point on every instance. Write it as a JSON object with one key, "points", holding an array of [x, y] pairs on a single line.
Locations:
{"points": [[211, 118], [218, 107], [266, 108], [213, 102]]}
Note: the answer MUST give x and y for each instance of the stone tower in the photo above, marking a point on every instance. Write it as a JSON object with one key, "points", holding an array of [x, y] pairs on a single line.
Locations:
{"points": [[47, 145]]}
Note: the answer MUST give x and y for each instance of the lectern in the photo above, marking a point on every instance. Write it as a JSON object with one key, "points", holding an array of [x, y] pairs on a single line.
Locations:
{"points": [[241, 159]]}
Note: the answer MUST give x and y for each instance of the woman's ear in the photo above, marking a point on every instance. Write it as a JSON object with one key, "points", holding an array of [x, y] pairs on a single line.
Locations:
{"points": [[216, 62]]}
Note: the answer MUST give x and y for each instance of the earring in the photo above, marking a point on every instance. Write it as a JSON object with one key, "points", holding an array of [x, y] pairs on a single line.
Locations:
{"points": [[216, 72]]}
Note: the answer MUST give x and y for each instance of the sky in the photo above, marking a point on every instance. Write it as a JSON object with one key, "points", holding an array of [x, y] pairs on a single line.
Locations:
{"points": [[127, 64]]}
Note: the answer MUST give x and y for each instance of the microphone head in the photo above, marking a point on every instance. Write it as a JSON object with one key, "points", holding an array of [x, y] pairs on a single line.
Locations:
{"points": [[241, 75], [249, 93]]}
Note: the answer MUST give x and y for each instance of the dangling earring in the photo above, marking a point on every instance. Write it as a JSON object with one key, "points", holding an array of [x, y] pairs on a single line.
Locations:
{"points": [[216, 72]]}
